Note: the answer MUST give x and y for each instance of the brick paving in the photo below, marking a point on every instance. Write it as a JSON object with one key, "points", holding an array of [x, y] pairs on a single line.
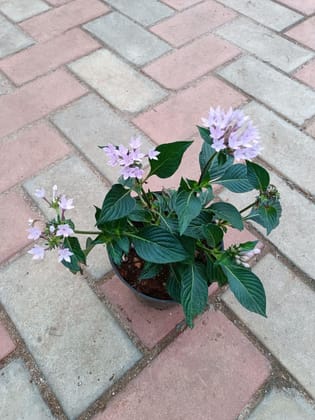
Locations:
{"points": [[77, 74]]}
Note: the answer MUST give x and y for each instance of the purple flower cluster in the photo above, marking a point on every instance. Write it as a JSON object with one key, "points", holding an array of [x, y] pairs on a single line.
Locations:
{"points": [[234, 132], [55, 231], [129, 160]]}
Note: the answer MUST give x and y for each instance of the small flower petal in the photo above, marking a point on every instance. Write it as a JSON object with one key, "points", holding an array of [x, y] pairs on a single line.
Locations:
{"points": [[34, 233], [65, 203], [64, 230], [40, 192], [64, 254], [38, 252]]}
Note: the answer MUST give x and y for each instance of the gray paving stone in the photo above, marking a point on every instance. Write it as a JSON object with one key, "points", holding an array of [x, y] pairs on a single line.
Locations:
{"points": [[73, 337], [127, 38], [284, 146], [267, 12], [19, 397], [294, 232], [283, 405], [89, 123], [146, 12], [19, 10], [288, 97], [5, 85], [117, 82], [86, 190], [12, 39], [265, 44], [289, 329]]}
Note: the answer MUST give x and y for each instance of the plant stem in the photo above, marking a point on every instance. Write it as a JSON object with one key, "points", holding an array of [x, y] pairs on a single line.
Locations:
{"points": [[206, 168], [248, 207], [87, 232]]}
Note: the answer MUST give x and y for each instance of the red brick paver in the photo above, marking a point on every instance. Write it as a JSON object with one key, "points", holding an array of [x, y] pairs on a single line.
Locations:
{"points": [[36, 99], [304, 6], [14, 215], [209, 372], [193, 22], [311, 128], [176, 119], [56, 21], [6, 344], [41, 58], [178, 68], [304, 32], [46, 146], [307, 74]]}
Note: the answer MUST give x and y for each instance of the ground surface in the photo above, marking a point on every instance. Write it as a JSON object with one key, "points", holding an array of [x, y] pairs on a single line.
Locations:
{"points": [[78, 74]]}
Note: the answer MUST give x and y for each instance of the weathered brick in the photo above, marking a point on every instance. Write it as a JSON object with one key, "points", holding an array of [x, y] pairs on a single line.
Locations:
{"points": [[127, 38], [146, 12], [58, 2], [41, 58], [89, 123], [311, 128], [12, 39], [280, 141], [265, 44], [13, 227], [178, 68], [56, 21], [37, 99], [19, 396], [180, 4], [28, 152], [6, 344], [297, 102], [5, 85], [304, 32], [117, 82], [267, 12], [307, 74], [18, 10], [67, 323], [297, 217], [284, 402], [193, 22], [306, 6], [287, 332], [176, 119], [214, 358]]}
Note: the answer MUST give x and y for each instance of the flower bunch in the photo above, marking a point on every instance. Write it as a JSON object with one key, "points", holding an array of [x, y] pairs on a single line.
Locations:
{"points": [[129, 160], [56, 230], [234, 132]]}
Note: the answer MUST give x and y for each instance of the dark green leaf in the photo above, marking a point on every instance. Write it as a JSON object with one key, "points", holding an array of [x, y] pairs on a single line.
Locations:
{"points": [[157, 245], [169, 158], [247, 287], [216, 168], [228, 212], [194, 291], [213, 234], [205, 134], [114, 252], [187, 207], [257, 176], [78, 256], [117, 204], [267, 216], [150, 270], [235, 179], [123, 244], [206, 196], [173, 285]]}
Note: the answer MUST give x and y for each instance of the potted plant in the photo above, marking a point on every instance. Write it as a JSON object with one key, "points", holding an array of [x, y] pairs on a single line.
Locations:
{"points": [[171, 241]]}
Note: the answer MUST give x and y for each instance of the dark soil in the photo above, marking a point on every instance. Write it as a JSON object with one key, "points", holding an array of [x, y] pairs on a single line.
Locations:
{"points": [[130, 269]]}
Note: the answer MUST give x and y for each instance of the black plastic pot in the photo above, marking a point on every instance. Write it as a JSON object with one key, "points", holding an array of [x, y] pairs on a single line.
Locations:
{"points": [[156, 303]]}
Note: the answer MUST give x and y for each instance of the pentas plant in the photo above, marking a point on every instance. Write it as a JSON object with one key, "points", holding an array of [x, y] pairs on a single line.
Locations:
{"points": [[178, 230]]}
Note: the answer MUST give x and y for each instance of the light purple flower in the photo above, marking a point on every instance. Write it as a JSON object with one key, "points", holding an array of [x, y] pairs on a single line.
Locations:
{"points": [[112, 154], [153, 154], [138, 172], [38, 252], [64, 230], [64, 254], [34, 233], [40, 192], [65, 203], [135, 142], [52, 229]]}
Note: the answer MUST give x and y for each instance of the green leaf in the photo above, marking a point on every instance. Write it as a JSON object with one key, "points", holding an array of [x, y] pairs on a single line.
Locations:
{"points": [[267, 216], [195, 228], [115, 252], [206, 196], [213, 234], [235, 179], [169, 158], [194, 291], [228, 212], [173, 285], [157, 245], [205, 134], [117, 204], [257, 176], [247, 287], [78, 256], [150, 270], [123, 244], [217, 167], [187, 207], [247, 246]]}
